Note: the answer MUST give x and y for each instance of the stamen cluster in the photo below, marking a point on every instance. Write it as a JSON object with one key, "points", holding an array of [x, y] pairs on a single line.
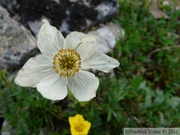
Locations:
{"points": [[67, 62]]}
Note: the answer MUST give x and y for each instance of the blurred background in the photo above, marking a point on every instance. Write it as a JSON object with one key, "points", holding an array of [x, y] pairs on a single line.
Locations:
{"points": [[144, 91]]}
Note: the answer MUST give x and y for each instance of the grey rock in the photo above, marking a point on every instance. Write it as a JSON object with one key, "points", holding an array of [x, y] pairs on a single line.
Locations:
{"points": [[34, 26], [16, 42], [10, 5], [67, 15], [106, 10], [106, 36], [5, 128], [5, 3]]}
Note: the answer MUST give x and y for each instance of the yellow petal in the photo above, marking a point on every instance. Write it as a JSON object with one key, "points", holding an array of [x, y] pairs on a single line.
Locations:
{"points": [[86, 127]]}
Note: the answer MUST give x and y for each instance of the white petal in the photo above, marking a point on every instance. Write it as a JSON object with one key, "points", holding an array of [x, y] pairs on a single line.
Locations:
{"points": [[100, 62], [34, 70], [50, 40], [53, 87], [83, 44], [83, 85]]}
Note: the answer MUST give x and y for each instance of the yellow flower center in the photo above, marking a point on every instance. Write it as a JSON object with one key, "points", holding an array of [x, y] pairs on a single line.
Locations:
{"points": [[67, 62], [79, 127]]}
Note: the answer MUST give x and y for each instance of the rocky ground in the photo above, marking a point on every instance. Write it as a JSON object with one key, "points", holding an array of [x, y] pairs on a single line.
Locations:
{"points": [[67, 15], [20, 21]]}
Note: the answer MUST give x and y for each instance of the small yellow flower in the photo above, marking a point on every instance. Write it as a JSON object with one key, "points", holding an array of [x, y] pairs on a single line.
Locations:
{"points": [[78, 125]]}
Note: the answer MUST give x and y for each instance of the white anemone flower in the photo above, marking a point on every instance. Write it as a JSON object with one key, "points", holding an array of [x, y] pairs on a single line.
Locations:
{"points": [[64, 65]]}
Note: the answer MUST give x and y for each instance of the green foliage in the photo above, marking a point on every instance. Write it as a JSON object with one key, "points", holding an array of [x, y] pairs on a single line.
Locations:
{"points": [[26, 110], [144, 91]]}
